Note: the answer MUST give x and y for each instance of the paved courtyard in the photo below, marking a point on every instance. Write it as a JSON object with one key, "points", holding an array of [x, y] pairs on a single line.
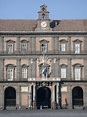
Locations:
{"points": [[43, 113]]}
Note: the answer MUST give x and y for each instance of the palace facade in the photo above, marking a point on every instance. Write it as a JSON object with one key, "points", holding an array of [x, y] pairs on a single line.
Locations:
{"points": [[43, 63]]}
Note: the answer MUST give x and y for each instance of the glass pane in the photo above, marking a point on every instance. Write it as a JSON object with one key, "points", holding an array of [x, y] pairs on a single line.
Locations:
{"points": [[10, 47], [77, 73], [63, 47], [24, 72], [63, 72], [77, 48]]}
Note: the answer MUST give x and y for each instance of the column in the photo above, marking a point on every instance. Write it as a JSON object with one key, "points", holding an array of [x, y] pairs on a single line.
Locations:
{"points": [[18, 70], [85, 97], [33, 44], [69, 96], [34, 96], [1, 44], [29, 68], [57, 94], [53, 68], [53, 97], [30, 45], [69, 75], [56, 68], [1, 69], [53, 44], [18, 97], [2, 97], [18, 45], [56, 44], [33, 68], [30, 96], [59, 69], [69, 45], [85, 44], [85, 69]]}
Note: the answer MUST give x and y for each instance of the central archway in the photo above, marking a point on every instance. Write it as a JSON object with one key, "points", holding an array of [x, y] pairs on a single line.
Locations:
{"points": [[10, 97], [43, 97]]}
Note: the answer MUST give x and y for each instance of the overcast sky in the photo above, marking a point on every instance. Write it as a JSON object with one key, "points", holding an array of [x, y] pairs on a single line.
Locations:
{"points": [[28, 9]]}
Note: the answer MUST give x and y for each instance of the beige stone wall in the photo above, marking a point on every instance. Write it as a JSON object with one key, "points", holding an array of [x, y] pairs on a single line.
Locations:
{"points": [[24, 99], [64, 61]]}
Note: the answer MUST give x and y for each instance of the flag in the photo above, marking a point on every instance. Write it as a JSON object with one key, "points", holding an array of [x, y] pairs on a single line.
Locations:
{"points": [[45, 72]]}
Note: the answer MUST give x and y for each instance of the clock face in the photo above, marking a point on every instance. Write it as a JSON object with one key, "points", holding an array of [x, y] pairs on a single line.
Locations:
{"points": [[43, 24]]}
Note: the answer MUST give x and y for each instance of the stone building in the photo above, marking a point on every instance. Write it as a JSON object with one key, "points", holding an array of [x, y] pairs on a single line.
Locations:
{"points": [[43, 63]]}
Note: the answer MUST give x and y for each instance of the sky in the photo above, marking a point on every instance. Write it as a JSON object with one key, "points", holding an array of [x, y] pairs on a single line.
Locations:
{"points": [[28, 9]]}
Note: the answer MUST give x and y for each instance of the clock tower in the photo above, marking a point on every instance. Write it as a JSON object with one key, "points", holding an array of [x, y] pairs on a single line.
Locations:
{"points": [[43, 22]]}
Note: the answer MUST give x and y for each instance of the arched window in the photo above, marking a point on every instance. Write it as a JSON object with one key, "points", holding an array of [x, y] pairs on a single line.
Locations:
{"points": [[10, 46], [78, 71], [77, 46], [63, 45], [24, 45], [10, 72], [43, 46]]}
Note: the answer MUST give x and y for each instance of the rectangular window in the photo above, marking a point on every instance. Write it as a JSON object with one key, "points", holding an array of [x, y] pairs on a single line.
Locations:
{"points": [[10, 47], [10, 73], [63, 47], [24, 72], [77, 73], [77, 48], [63, 72], [44, 47], [24, 47]]}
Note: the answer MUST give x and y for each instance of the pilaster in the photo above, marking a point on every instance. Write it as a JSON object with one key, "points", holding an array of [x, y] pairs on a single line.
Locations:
{"points": [[18, 75], [1, 97], [1, 44], [69, 97], [18, 97], [30, 96], [18, 45], [1, 69]]}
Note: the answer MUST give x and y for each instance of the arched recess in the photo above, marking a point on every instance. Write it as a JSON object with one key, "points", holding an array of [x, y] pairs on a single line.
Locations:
{"points": [[43, 97], [77, 96], [10, 97]]}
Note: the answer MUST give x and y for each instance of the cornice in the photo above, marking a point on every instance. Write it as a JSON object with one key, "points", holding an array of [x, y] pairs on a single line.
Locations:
{"points": [[43, 32]]}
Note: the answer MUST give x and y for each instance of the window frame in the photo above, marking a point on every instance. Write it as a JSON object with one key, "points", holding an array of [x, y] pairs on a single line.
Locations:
{"points": [[78, 66], [63, 41], [63, 67], [23, 72], [76, 50], [10, 67], [25, 42], [46, 49], [10, 46]]}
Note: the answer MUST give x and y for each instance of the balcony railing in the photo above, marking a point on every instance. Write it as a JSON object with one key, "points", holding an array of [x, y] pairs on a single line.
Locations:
{"points": [[43, 79]]}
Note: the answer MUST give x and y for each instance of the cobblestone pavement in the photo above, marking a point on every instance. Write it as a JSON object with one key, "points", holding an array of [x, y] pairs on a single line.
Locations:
{"points": [[43, 113]]}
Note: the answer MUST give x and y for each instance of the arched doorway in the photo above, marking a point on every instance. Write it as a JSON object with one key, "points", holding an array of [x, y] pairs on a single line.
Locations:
{"points": [[43, 97], [77, 96], [10, 97]]}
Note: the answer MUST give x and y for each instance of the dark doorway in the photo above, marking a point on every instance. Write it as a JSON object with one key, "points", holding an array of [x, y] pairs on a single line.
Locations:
{"points": [[10, 97], [43, 97], [77, 96]]}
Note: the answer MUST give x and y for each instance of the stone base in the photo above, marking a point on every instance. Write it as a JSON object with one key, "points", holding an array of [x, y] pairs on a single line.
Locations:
{"points": [[53, 105]]}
